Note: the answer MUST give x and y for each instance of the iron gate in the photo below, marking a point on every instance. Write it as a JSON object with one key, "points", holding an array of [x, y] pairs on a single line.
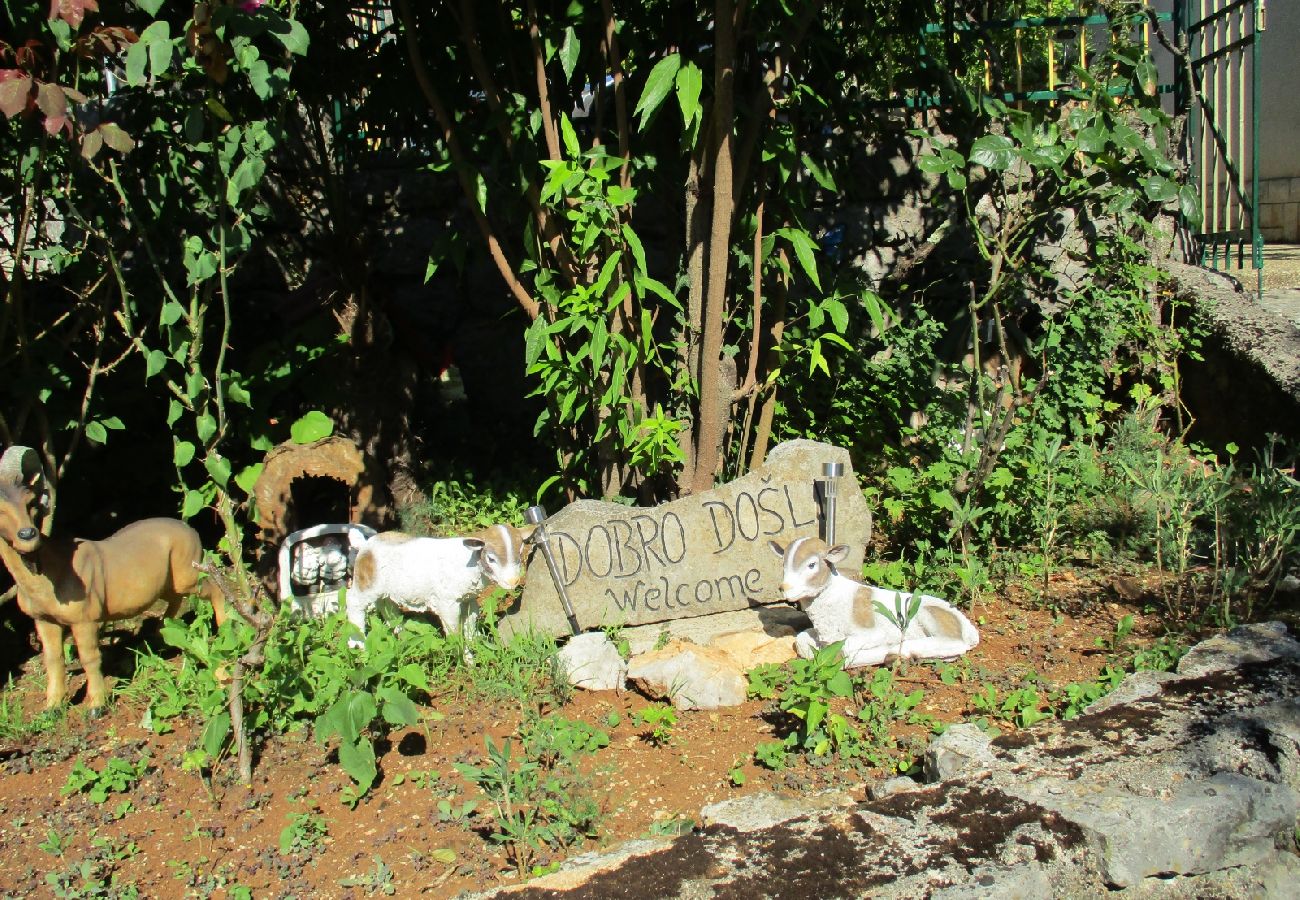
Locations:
{"points": [[1223, 42]]}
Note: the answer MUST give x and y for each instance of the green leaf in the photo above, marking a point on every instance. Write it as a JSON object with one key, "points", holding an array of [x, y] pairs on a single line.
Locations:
{"points": [[215, 734], [311, 427], [657, 86], [171, 313], [182, 453], [570, 137], [247, 478], [205, 426], [296, 40], [397, 708], [158, 38], [192, 504], [219, 468], [245, 177], [1159, 189], [414, 675], [154, 361], [96, 433], [358, 760], [1189, 204], [803, 250], [993, 151], [688, 83], [634, 244], [933, 164], [818, 172], [535, 339], [1092, 140], [137, 60], [569, 50]]}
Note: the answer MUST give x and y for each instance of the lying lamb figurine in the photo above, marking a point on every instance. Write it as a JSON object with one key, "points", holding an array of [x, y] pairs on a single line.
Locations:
{"points": [[438, 575], [841, 609]]}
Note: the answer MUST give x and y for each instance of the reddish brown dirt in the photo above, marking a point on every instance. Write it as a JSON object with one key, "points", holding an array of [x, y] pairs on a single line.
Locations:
{"points": [[182, 837]]}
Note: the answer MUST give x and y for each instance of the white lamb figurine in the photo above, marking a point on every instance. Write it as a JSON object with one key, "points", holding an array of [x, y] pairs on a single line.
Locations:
{"points": [[841, 609], [438, 575]]}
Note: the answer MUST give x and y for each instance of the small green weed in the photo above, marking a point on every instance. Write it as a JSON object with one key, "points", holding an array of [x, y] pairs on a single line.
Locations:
{"points": [[379, 880], [661, 718], [304, 835], [117, 776], [539, 796], [672, 826]]}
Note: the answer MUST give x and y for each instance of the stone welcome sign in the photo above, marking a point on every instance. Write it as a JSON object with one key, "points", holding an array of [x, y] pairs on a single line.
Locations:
{"points": [[706, 553]]}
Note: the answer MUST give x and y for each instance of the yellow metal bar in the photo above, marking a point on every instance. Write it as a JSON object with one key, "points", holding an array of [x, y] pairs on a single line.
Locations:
{"points": [[1020, 64], [1051, 62], [1229, 131], [1212, 44]]}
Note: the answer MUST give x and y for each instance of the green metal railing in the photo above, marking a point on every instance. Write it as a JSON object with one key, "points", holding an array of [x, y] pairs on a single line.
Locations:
{"points": [[1067, 42]]}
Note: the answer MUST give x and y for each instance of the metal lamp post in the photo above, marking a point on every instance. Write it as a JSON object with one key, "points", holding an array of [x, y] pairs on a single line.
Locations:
{"points": [[536, 515], [831, 474]]}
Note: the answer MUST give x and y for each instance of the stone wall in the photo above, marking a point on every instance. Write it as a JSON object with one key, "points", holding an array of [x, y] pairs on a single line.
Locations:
{"points": [[1279, 209]]}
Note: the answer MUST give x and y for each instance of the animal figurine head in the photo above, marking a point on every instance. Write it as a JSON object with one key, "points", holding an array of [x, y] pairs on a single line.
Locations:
{"points": [[502, 552], [24, 498], [808, 566]]}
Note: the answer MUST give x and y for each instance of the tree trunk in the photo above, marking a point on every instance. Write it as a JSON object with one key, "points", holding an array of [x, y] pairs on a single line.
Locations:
{"points": [[715, 406]]}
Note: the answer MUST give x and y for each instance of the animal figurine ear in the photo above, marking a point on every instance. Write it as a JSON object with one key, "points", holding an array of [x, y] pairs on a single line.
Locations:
{"points": [[776, 548], [22, 465], [526, 534], [473, 543], [837, 554]]}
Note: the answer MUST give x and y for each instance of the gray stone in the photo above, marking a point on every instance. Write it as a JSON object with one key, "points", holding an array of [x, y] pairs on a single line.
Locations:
{"points": [[1260, 643], [960, 750], [759, 811], [1193, 827], [702, 554], [591, 661], [899, 784], [692, 677], [1029, 882], [1134, 687]]}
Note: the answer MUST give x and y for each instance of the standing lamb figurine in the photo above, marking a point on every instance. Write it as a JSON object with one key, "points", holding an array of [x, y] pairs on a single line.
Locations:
{"points": [[841, 609], [438, 575]]}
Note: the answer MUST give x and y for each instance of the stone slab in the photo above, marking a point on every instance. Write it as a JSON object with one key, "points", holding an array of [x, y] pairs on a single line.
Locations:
{"points": [[702, 554], [773, 621]]}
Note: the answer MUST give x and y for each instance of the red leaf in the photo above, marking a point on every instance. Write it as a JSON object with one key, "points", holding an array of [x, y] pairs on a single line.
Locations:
{"points": [[51, 100], [55, 124], [14, 92], [72, 11]]}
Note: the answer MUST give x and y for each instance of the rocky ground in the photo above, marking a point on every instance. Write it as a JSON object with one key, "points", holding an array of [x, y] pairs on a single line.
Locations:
{"points": [[1177, 785]]}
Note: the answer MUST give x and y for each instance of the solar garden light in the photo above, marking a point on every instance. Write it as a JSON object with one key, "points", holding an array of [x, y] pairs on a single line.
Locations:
{"points": [[536, 515], [831, 473]]}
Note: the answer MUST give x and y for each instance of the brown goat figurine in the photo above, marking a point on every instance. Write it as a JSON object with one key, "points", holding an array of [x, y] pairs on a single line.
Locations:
{"points": [[78, 584]]}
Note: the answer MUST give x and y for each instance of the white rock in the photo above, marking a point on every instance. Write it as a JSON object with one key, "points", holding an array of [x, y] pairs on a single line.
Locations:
{"points": [[692, 677], [591, 661]]}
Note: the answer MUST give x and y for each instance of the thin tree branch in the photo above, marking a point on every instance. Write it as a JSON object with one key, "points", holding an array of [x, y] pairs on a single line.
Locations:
{"points": [[425, 82]]}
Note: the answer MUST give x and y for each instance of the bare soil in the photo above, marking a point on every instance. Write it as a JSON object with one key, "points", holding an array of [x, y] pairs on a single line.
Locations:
{"points": [[180, 836]]}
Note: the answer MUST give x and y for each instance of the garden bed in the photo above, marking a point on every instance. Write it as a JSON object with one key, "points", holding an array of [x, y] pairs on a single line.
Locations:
{"points": [[72, 824]]}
